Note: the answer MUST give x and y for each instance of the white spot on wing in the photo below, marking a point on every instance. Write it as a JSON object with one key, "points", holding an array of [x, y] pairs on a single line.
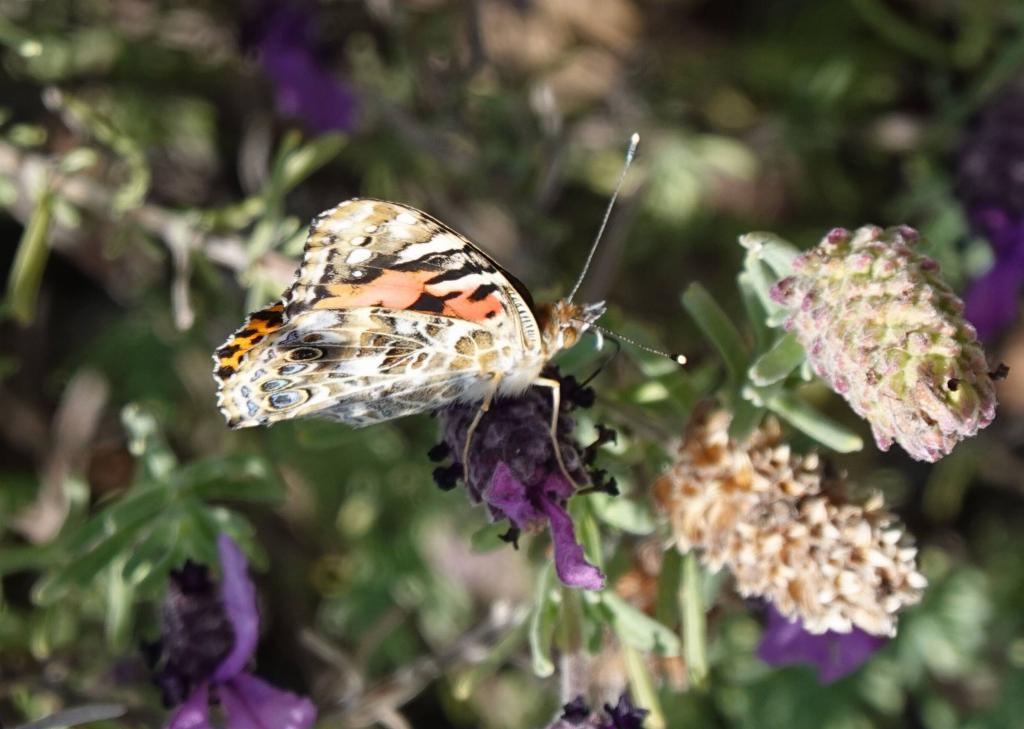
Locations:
{"points": [[358, 256], [406, 219]]}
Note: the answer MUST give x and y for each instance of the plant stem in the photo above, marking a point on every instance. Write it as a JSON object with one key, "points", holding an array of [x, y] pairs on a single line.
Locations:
{"points": [[573, 663], [694, 622], [642, 688]]}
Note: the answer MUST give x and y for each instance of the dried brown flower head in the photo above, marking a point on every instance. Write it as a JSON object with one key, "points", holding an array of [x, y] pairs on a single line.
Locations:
{"points": [[785, 530]]}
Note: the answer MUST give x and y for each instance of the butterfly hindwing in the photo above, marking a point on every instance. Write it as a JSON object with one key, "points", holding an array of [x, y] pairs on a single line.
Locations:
{"points": [[360, 367]]}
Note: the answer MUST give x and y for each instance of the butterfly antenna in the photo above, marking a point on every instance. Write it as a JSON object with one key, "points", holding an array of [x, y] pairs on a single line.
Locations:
{"points": [[630, 154], [679, 359]]}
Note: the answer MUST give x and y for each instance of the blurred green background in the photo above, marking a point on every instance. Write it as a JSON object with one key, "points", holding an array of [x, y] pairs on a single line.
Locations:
{"points": [[159, 162]]}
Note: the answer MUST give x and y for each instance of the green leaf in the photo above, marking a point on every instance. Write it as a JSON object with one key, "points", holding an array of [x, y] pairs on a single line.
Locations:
{"points": [[29, 262], [488, 538], [776, 252], [78, 716], [81, 571], [719, 329], [757, 314], [241, 477], [628, 515], [746, 416], [142, 502], [637, 629], [806, 419], [15, 559], [542, 624], [146, 442], [310, 157], [778, 362], [152, 554]]}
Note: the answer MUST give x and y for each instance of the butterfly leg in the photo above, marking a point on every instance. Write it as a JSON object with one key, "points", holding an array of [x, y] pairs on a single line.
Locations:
{"points": [[484, 407], [556, 398]]}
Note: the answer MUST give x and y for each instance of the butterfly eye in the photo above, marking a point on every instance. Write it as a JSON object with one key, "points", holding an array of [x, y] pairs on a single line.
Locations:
{"points": [[282, 400], [271, 385], [304, 354]]}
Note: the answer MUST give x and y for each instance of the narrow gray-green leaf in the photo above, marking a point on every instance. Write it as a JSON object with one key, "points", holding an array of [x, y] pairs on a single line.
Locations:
{"points": [[542, 624], [30, 262], [310, 157], [488, 538], [778, 362], [803, 417], [719, 329], [628, 515], [637, 629], [77, 716], [775, 251]]}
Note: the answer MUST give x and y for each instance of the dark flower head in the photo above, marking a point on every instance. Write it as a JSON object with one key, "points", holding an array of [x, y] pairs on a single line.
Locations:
{"points": [[196, 634], [304, 88], [576, 715], [514, 470], [623, 715], [834, 655], [208, 636], [990, 186]]}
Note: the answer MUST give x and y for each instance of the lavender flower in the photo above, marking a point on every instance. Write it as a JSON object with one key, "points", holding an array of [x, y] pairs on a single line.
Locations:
{"points": [[990, 187], [834, 655], [208, 637], [303, 88], [882, 329], [513, 469], [576, 715]]}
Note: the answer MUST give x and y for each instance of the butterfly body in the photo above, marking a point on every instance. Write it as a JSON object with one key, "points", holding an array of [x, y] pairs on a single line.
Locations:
{"points": [[391, 313]]}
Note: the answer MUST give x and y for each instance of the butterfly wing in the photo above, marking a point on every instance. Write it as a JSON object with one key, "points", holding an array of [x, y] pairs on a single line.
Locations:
{"points": [[391, 313], [367, 252]]}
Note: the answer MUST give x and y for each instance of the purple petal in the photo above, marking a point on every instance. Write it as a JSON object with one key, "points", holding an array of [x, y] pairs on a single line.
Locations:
{"points": [[570, 564], [834, 655], [239, 597], [508, 493], [195, 712], [254, 704]]}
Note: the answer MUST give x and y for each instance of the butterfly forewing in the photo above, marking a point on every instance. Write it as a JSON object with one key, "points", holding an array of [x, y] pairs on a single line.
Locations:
{"points": [[391, 313]]}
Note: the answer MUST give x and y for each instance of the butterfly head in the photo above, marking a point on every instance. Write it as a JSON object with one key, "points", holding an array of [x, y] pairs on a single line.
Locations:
{"points": [[565, 323]]}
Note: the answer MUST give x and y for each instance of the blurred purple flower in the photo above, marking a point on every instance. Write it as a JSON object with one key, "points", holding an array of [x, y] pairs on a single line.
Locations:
{"points": [[303, 88], [992, 301], [990, 186], [208, 637], [834, 655], [513, 469], [576, 715]]}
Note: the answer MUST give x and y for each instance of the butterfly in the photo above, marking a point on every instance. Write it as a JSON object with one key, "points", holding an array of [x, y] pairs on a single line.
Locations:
{"points": [[391, 313]]}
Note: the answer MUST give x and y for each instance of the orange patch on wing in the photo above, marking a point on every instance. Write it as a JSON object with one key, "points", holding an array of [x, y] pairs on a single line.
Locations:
{"points": [[392, 289], [256, 327], [462, 307], [409, 290]]}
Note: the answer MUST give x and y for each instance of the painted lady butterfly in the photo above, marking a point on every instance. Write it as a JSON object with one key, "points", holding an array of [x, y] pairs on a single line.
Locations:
{"points": [[391, 313]]}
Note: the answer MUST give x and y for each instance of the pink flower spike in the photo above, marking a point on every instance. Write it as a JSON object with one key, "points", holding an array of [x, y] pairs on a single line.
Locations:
{"points": [[239, 597], [254, 704]]}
